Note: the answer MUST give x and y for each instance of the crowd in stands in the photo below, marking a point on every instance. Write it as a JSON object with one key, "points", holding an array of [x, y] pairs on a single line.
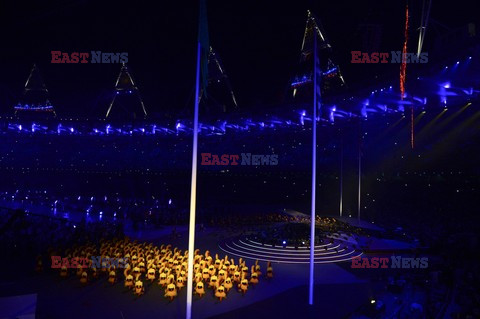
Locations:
{"points": [[24, 235], [115, 208]]}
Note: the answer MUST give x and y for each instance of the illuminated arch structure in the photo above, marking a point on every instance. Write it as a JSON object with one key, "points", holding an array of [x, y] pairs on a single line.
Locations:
{"points": [[219, 97], [35, 96], [301, 86], [127, 102]]}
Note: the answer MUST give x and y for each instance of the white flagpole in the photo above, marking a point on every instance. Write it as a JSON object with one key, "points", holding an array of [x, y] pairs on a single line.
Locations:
{"points": [[314, 164], [193, 194], [359, 171], [341, 176]]}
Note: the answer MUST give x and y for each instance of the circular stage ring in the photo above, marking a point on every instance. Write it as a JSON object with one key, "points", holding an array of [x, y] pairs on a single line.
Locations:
{"points": [[242, 246]]}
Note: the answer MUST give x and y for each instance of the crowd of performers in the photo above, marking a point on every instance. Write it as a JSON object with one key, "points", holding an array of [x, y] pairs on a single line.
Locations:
{"points": [[164, 265]]}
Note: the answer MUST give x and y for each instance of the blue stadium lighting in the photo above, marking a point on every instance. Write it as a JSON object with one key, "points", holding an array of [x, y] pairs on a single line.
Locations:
{"points": [[445, 89], [300, 81], [332, 70], [26, 107], [302, 115]]}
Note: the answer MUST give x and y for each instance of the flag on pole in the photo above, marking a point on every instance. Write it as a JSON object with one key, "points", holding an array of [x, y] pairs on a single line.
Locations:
{"points": [[203, 39]]}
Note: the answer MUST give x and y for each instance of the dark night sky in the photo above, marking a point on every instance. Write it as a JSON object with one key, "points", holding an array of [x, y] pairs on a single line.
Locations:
{"points": [[258, 42]]}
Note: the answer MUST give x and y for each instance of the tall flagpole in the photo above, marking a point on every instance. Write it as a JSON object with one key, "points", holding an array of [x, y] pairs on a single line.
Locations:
{"points": [[341, 175], [193, 194], [359, 168], [314, 162], [201, 64]]}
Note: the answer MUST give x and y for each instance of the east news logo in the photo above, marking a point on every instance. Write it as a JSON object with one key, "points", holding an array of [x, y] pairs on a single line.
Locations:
{"points": [[388, 57], [236, 159], [94, 262], [89, 57], [390, 262]]}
